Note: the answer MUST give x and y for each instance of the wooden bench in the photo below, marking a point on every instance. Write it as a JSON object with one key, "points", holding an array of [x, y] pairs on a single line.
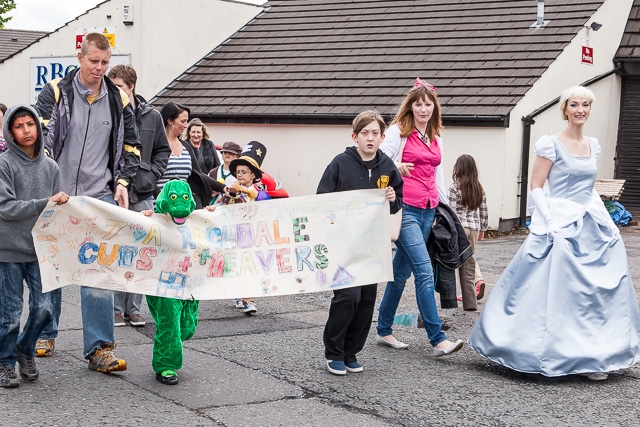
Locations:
{"points": [[609, 189]]}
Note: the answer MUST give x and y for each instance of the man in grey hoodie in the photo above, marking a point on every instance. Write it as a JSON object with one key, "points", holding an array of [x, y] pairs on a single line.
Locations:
{"points": [[30, 180]]}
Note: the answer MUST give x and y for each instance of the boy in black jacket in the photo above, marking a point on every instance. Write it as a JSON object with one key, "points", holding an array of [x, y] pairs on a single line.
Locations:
{"points": [[358, 168]]}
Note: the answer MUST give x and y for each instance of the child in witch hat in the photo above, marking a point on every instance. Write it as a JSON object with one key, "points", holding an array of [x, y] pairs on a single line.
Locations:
{"points": [[247, 171]]}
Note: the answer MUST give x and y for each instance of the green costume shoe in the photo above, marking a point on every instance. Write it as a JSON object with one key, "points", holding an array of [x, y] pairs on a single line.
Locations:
{"points": [[167, 377]]}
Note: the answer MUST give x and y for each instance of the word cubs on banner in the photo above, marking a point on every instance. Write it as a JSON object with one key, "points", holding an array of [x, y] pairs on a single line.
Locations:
{"points": [[274, 247]]}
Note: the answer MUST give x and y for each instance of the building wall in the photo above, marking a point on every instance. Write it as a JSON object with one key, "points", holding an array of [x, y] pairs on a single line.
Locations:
{"points": [[298, 155], [160, 44]]}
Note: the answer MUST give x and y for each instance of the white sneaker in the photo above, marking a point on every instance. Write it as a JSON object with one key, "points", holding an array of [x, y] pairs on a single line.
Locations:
{"points": [[596, 376], [249, 308], [239, 303]]}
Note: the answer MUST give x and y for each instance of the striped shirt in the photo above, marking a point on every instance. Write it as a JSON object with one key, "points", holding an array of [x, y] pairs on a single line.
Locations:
{"points": [[179, 167], [476, 219]]}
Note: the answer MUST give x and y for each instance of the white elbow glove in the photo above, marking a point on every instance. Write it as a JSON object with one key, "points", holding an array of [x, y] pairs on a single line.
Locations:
{"points": [[540, 202]]}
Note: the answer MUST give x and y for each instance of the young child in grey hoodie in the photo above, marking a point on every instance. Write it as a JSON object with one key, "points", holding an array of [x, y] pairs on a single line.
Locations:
{"points": [[29, 180]]}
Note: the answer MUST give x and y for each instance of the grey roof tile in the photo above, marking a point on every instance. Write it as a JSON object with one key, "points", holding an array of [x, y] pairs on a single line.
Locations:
{"points": [[14, 41], [338, 57]]}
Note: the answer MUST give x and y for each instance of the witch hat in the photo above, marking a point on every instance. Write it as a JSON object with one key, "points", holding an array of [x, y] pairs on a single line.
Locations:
{"points": [[252, 156]]}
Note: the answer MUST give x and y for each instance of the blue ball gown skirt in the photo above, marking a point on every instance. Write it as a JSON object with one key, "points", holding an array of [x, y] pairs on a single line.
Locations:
{"points": [[563, 308]]}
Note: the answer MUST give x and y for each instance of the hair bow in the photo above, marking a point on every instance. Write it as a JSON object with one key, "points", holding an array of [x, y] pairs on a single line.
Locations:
{"points": [[419, 83]]}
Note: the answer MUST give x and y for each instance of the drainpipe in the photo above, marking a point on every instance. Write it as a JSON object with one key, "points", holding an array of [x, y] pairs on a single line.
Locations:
{"points": [[526, 143]]}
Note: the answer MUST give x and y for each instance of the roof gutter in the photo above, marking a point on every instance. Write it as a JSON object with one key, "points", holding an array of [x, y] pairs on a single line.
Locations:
{"points": [[343, 119], [526, 143]]}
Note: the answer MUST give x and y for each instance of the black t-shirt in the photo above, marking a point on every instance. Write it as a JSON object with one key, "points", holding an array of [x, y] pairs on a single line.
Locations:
{"points": [[369, 164]]}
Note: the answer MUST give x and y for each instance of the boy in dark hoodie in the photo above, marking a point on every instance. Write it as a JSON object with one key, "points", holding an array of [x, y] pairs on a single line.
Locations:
{"points": [[358, 168], [30, 180]]}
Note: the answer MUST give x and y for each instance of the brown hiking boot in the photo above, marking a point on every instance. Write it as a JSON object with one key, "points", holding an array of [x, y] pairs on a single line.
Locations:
{"points": [[103, 360], [45, 348]]}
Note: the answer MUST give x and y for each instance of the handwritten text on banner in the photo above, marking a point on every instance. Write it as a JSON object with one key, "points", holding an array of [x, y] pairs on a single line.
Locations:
{"points": [[274, 247]]}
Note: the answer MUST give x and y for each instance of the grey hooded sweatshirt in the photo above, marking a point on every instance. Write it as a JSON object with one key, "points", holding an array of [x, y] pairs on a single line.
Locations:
{"points": [[25, 187]]}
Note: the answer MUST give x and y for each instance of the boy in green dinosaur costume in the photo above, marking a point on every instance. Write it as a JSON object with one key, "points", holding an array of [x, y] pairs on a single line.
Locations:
{"points": [[175, 319]]}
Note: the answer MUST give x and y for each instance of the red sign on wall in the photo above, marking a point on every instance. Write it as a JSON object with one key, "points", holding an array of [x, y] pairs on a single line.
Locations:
{"points": [[108, 32], [587, 52]]}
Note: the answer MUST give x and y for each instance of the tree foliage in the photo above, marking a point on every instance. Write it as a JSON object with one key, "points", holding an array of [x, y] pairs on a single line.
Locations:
{"points": [[5, 7]]}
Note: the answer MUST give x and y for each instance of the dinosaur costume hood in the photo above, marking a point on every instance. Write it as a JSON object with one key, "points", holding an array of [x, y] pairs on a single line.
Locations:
{"points": [[176, 199]]}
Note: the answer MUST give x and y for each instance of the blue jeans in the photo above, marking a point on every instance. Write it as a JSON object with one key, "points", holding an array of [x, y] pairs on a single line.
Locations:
{"points": [[412, 257], [50, 330], [97, 313], [127, 303], [41, 306]]}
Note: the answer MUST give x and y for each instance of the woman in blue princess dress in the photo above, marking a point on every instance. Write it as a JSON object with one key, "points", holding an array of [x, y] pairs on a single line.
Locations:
{"points": [[565, 304]]}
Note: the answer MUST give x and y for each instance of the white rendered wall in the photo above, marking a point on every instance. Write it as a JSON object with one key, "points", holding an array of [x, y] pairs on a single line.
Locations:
{"points": [[298, 155], [165, 39]]}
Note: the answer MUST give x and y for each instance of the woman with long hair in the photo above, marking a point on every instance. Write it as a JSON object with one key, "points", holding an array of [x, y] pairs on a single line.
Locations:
{"points": [[468, 201], [183, 162], [414, 142]]}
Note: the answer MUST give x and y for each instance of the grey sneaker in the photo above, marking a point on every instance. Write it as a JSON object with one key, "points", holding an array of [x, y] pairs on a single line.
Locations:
{"points": [[136, 320], [27, 367], [118, 320], [596, 376], [8, 378]]}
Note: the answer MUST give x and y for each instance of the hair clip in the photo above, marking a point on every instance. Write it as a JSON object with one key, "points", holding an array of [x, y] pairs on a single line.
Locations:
{"points": [[419, 83]]}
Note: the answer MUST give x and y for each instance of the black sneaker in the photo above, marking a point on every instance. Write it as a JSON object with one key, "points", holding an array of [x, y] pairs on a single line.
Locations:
{"points": [[27, 367], [8, 378]]}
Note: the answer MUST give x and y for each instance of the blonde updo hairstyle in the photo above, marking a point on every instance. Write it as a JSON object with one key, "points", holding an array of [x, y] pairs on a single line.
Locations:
{"points": [[575, 92]]}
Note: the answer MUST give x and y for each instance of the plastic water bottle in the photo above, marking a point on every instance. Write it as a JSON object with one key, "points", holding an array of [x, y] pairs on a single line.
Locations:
{"points": [[409, 319]]}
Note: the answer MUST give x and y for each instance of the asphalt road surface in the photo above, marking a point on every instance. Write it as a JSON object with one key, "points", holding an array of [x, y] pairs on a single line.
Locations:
{"points": [[268, 370]]}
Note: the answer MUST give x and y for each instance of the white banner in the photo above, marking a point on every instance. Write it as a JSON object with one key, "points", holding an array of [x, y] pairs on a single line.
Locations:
{"points": [[273, 247]]}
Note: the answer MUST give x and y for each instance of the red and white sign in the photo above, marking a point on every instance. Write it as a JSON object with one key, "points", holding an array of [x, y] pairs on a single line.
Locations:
{"points": [[109, 33], [587, 52]]}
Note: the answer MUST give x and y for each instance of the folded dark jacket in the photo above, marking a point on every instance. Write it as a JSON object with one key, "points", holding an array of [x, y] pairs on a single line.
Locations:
{"points": [[448, 248]]}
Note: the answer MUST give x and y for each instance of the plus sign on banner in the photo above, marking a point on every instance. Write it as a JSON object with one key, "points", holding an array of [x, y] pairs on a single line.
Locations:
{"points": [[587, 52]]}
